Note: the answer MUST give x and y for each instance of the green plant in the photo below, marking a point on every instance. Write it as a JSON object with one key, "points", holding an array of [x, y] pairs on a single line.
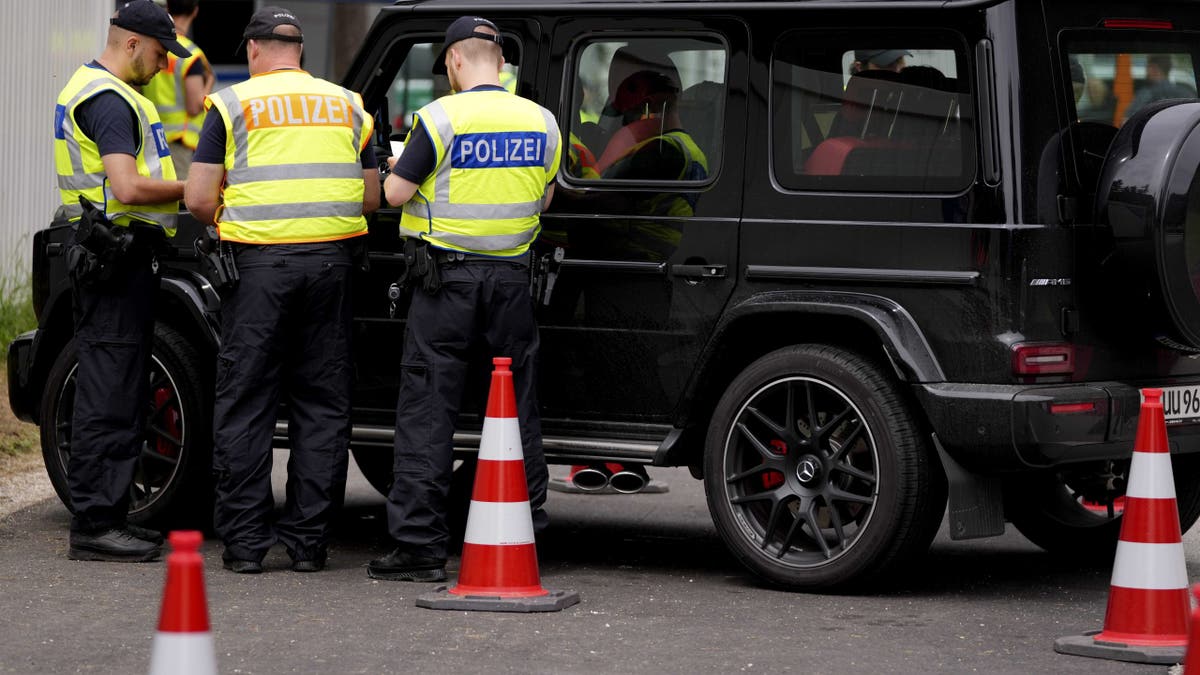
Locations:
{"points": [[16, 311], [21, 439]]}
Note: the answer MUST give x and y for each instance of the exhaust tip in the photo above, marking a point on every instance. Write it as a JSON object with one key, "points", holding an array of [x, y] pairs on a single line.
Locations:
{"points": [[630, 480], [591, 478]]}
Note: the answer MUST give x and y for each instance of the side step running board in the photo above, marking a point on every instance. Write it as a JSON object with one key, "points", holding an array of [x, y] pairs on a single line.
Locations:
{"points": [[568, 448]]}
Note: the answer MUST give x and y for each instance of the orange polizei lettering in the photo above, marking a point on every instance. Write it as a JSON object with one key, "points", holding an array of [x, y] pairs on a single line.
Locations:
{"points": [[291, 110]]}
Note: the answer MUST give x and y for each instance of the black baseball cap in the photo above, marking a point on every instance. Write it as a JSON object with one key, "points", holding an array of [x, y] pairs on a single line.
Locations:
{"points": [[264, 22], [464, 28], [146, 18], [880, 57]]}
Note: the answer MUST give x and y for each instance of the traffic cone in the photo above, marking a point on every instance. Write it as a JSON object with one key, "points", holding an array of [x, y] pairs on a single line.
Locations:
{"points": [[1147, 616], [184, 644], [499, 571], [1191, 662]]}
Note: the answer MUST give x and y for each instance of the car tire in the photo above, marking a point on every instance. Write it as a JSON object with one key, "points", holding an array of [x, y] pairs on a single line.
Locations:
{"points": [[865, 477], [376, 466], [1054, 514], [173, 484]]}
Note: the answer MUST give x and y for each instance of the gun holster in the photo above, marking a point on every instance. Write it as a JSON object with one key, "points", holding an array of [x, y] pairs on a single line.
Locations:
{"points": [[97, 246], [419, 267], [360, 254], [217, 259]]}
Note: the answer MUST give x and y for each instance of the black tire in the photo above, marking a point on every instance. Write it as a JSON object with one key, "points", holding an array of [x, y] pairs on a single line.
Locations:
{"points": [[866, 479], [1069, 512], [376, 466], [173, 482]]}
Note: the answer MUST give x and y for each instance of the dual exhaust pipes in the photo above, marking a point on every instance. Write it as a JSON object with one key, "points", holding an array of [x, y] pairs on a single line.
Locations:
{"points": [[624, 478]]}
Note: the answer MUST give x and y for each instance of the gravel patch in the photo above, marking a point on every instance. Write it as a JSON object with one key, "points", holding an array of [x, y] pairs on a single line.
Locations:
{"points": [[23, 482]]}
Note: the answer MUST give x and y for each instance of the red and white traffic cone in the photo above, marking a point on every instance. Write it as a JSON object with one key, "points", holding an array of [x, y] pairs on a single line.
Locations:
{"points": [[1147, 616], [499, 571], [184, 644], [1191, 662]]}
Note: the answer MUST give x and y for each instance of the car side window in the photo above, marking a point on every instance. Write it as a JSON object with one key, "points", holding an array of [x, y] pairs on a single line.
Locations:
{"points": [[647, 109], [1111, 81], [871, 112]]}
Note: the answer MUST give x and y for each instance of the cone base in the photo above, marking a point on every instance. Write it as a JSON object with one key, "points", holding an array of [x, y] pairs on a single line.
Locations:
{"points": [[1088, 645], [553, 601]]}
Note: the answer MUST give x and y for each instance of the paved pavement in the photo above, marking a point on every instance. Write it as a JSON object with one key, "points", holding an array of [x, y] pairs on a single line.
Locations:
{"points": [[659, 595]]}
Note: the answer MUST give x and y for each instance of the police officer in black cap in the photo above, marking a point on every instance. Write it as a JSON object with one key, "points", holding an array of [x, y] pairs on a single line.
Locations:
{"points": [[116, 179], [289, 192], [474, 302]]}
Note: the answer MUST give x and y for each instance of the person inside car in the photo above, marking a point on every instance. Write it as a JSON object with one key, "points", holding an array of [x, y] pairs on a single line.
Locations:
{"points": [[879, 59], [652, 144], [1159, 85]]}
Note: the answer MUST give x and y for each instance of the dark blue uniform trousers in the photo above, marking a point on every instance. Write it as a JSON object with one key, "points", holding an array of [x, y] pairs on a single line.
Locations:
{"points": [[114, 331], [285, 332], [482, 310]]}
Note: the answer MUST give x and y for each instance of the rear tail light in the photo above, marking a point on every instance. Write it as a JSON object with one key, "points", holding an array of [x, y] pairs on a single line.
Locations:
{"points": [[1043, 359], [1069, 408], [1144, 24]]}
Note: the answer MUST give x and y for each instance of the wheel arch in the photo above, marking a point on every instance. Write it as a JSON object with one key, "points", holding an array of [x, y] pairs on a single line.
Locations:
{"points": [[55, 330], [875, 327], [190, 305], [187, 303]]}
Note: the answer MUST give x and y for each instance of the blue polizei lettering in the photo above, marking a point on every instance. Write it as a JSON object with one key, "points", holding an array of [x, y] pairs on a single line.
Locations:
{"points": [[502, 149], [60, 116], [160, 139]]}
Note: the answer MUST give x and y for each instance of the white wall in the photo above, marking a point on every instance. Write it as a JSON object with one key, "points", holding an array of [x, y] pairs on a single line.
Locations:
{"points": [[43, 43]]}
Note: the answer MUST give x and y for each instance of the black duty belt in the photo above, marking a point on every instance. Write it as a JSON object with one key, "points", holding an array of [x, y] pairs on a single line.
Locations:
{"points": [[442, 256]]}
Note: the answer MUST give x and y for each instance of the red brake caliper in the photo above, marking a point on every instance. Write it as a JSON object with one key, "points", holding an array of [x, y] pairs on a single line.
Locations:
{"points": [[170, 418], [773, 479], [1102, 508]]}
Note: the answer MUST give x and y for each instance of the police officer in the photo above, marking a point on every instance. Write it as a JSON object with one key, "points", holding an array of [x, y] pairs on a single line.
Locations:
{"points": [[109, 149], [179, 90], [477, 170], [298, 171]]}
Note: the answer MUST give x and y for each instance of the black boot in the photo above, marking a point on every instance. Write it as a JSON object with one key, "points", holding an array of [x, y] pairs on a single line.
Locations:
{"points": [[112, 545], [239, 566], [399, 565], [144, 533]]}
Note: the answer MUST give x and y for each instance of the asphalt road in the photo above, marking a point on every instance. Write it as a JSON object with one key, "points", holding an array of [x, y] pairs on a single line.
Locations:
{"points": [[659, 595]]}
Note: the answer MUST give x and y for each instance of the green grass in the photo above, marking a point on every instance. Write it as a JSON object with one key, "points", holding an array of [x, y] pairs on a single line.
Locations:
{"points": [[23, 441], [16, 311], [16, 317]]}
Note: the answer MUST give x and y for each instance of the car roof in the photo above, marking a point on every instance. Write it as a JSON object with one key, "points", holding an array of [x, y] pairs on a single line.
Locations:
{"points": [[486, 6]]}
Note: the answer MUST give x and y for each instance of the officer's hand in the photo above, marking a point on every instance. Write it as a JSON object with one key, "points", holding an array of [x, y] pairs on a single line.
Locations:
{"points": [[392, 162]]}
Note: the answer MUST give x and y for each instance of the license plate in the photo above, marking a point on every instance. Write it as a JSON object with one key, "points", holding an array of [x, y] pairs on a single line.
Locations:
{"points": [[1181, 404]]}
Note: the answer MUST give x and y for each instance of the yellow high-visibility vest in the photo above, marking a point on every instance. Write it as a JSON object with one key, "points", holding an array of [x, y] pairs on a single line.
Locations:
{"points": [[77, 157], [292, 168], [166, 90], [494, 155]]}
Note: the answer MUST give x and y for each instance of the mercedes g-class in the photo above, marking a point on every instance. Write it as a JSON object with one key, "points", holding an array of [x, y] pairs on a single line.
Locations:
{"points": [[878, 288]]}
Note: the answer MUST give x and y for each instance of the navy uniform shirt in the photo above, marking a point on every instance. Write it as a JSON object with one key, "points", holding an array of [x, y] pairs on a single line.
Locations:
{"points": [[109, 121]]}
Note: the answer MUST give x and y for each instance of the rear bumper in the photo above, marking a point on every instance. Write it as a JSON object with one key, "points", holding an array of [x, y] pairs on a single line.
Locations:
{"points": [[1014, 427], [20, 358]]}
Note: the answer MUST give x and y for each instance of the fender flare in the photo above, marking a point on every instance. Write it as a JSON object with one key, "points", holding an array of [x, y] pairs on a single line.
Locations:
{"points": [[197, 295], [898, 333]]}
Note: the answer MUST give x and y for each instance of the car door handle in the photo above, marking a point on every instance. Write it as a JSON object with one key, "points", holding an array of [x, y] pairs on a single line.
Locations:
{"points": [[699, 271]]}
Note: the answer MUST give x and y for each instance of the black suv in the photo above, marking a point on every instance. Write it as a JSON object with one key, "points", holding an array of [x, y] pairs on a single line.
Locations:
{"points": [[876, 287]]}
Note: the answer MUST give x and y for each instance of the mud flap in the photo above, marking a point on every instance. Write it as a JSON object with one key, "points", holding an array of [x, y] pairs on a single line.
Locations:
{"points": [[976, 507]]}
